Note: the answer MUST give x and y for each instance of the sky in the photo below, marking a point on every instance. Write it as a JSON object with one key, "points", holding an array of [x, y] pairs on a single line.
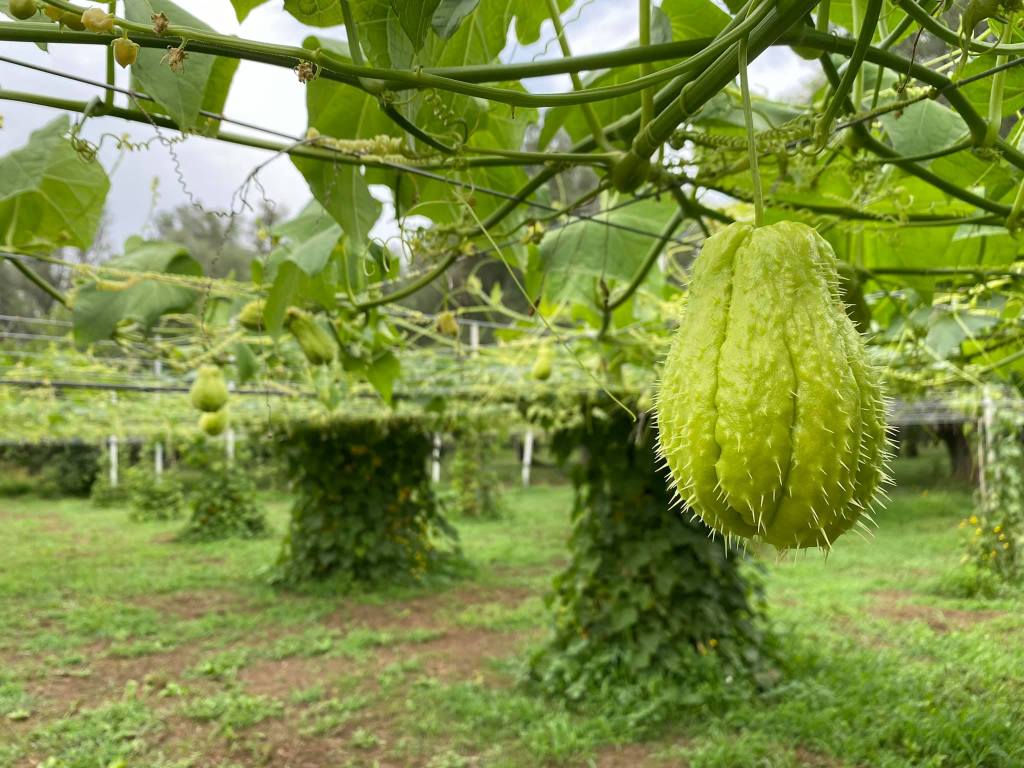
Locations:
{"points": [[210, 171]]}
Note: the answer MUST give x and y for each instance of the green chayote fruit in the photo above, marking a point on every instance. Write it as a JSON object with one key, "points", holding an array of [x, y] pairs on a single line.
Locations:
{"points": [[771, 418], [209, 393], [214, 423], [315, 341]]}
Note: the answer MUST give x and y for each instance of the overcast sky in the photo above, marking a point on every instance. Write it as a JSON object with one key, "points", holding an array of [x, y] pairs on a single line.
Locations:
{"points": [[272, 97]]}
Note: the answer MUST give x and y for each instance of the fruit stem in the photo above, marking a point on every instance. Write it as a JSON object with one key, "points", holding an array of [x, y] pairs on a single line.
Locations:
{"points": [[108, 97], [748, 120]]}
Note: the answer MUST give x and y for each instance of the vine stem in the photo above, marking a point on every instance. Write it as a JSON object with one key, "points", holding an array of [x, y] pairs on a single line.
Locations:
{"points": [[37, 281], [577, 84], [995, 97], [748, 120], [646, 96]]}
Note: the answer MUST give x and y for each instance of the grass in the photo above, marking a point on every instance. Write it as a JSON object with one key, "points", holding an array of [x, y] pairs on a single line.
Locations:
{"points": [[119, 647]]}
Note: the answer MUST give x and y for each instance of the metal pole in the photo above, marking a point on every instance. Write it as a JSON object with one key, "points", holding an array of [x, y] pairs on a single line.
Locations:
{"points": [[435, 460], [527, 457]]}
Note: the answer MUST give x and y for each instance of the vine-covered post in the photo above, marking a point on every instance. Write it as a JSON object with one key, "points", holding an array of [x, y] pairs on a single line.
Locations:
{"points": [[649, 600], [364, 510]]}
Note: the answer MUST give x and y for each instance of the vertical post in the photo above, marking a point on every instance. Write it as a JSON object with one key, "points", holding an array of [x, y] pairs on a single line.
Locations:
{"points": [[985, 443], [435, 459], [527, 456], [112, 445], [474, 337], [229, 436], [158, 449]]}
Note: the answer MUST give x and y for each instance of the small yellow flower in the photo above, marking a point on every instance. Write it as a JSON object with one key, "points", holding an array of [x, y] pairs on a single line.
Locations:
{"points": [[973, 519], [997, 529], [977, 531], [1006, 545]]}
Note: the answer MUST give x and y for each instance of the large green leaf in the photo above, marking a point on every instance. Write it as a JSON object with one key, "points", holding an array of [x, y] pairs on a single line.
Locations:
{"points": [[449, 16], [343, 112], [415, 16], [577, 258], [694, 18], [316, 13], [49, 194], [179, 94], [99, 306], [308, 240], [923, 127]]}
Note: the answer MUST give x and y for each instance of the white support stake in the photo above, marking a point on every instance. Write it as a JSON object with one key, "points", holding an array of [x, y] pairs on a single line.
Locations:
{"points": [[158, 458], [435, 459], [229, 445], [474, 337], [527, 457], [112, 443]]}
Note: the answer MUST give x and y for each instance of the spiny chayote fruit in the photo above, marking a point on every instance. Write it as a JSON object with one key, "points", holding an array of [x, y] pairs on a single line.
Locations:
{"points": [[542, 366], [316, 342], [250, 316], [209, 393], [214, 423], [771, 418]]}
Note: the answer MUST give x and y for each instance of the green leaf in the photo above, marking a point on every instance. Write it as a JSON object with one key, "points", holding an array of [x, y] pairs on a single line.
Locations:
{"points": [[309, 239], [245, 362], [316, 13], [415, 17], [449, 16], [216, 95], [283, 293], [692, 19], [180, 94], [382, 372], [577, 257], [530, 14], [49, 195], [99, 306], [344, 193], [244, 7], [923, 127]]}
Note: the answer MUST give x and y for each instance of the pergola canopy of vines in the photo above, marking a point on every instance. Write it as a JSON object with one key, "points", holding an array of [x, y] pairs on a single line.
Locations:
{"points": [[587, 205]]}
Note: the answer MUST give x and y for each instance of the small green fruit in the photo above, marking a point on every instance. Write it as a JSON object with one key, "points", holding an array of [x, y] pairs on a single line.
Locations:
{"points": [[316, 343], [542, 366], [447, 325], [214, 423], [22, 9], [126, 51], [97, 20], [209, 393], [251, 315]]}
